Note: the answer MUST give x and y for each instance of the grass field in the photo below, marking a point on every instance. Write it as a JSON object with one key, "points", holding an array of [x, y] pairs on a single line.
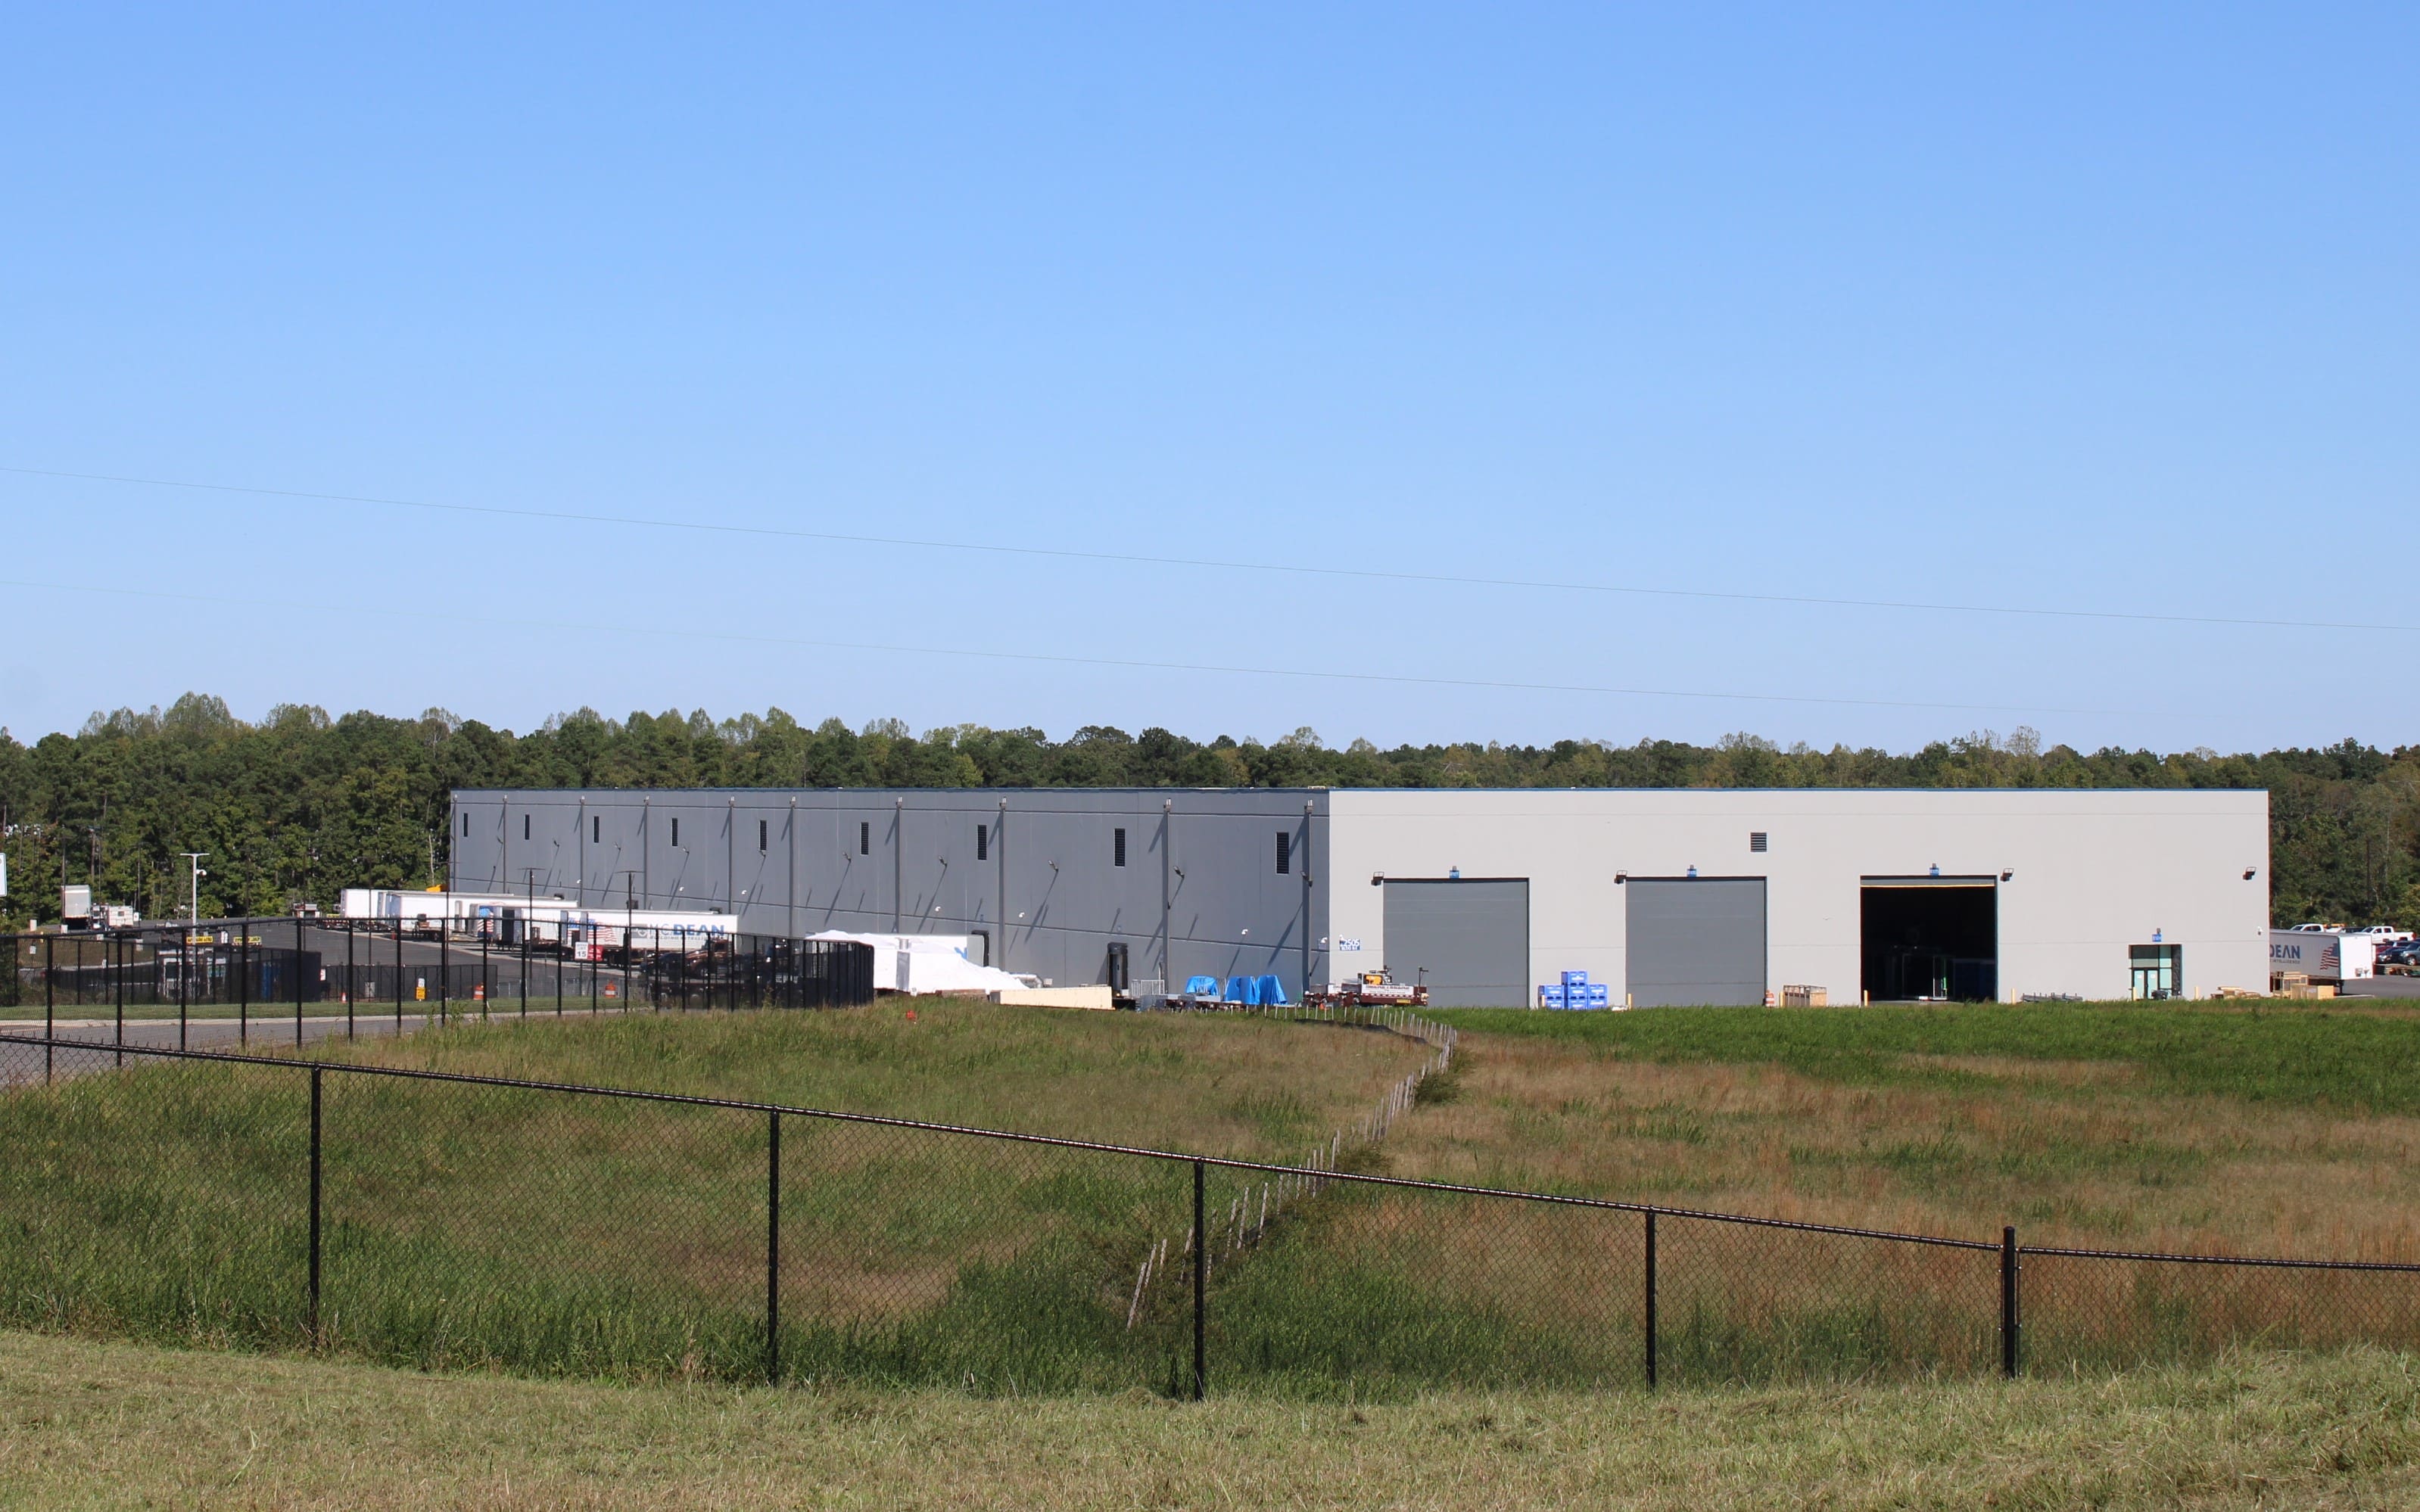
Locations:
{"points": [[516, 1229], [93, 1424], [473, 1224], [2089, 1126], [2176, 1126]]}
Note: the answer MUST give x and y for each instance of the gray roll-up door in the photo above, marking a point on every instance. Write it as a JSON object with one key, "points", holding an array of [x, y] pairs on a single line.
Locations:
{"points": [[1471, 938], [1696, 940]]}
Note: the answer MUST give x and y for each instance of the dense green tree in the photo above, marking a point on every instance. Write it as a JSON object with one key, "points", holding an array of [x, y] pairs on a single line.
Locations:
{"points": [[299, 805]]}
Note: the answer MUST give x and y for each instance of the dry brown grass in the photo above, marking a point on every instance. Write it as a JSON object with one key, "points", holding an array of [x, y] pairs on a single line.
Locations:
{"points": [[2074, 1152], [1223, 1086], [85, 1423]]}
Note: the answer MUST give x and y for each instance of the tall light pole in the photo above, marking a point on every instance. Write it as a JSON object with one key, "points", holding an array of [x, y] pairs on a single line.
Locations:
{"points": [[196, 858]]}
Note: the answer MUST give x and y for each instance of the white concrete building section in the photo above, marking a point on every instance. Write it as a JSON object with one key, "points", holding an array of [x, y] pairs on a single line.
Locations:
{"points": [[1663, 896], [2080, 888]]}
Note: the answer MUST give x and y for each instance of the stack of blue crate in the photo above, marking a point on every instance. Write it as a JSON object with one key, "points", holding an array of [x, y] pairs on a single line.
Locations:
{"points": [[1574, 991], [1578, 992]]}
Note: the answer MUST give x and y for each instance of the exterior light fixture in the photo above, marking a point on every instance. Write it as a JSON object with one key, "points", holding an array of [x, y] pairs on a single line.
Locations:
{"points": [[1936, 868], [2250, 872], [1453, 873], [1620, 877], [1377, 879], [1693, 872], [2007, 874]]}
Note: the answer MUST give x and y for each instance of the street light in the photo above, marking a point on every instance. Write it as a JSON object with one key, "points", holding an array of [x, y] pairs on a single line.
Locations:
{"points": [[196, 858]]}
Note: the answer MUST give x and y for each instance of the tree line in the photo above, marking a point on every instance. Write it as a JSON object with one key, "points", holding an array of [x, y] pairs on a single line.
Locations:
{"points": [[297, 805]]}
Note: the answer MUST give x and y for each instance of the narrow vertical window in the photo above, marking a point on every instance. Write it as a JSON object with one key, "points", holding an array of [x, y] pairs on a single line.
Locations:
{"points": [[1285, 853], [596, 829], [865, 837], [1118, 847], [763, 832], [676, 834], [466, 827], [525, 822], [982, 843]]}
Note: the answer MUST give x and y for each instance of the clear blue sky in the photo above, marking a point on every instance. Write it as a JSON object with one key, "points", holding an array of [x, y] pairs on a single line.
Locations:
{"points": [[2101, 308]]}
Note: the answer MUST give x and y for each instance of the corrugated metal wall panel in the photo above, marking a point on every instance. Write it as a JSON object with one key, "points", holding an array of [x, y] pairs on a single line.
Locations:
{"points": [[1696, 940], [1470, 938]]}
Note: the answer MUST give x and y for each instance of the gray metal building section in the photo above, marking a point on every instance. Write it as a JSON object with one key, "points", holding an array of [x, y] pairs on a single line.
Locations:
{"points": [[1719, 895], [1046, 880], [1467, 939], [1696, 940]]}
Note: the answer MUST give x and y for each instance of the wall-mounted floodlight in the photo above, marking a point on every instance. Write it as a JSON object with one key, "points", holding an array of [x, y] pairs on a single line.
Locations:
{"points": [[1377, 879], [1620, 877], [1693, 871], [2250, 872], [1936, 868], [2007, 874]]}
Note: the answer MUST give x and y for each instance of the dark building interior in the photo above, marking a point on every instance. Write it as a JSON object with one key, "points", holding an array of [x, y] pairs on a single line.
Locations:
{"points": [[1931, 940]]}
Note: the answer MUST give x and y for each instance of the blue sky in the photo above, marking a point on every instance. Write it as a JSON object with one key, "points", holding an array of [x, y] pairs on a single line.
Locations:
{"points": [[2072, 309]]}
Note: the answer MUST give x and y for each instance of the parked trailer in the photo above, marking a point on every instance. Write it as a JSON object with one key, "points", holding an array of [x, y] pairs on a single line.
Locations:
{"points": [[2324, 956], [583, 933]]}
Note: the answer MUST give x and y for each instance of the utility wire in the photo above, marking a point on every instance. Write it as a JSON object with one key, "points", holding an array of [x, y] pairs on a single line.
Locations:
{"points": [[1398, 679], [1217, 564]]}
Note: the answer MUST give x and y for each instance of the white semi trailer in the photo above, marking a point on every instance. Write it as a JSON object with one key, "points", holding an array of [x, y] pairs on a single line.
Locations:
{"points": [[2327, 957]]}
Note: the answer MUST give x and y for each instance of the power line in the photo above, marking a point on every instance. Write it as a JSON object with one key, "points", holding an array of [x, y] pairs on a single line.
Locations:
{"points": [[1125, 664], [1218, 564]]}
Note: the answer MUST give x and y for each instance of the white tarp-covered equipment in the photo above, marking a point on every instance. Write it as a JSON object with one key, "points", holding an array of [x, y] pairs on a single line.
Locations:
{"points": [[927, 963]]}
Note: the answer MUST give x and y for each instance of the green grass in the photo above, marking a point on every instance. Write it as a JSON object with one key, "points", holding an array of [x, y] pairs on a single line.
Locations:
{"points": [[469, 1225], [102, 1423], [2363, 1060], [518, 1230]]}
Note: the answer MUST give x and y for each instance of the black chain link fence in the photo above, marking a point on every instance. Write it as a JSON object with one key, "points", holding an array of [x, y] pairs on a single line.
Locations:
{"points": [[302, 978], [439, 1220]]}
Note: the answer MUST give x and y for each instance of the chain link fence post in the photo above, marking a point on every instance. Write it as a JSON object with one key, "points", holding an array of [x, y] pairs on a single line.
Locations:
{"points": [[2008, 1321], [311, 1306], [774, 1248], [1649, 1288], [1201, 1290]]}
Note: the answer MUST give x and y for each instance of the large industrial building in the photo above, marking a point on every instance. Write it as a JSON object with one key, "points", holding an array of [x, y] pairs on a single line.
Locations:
{"points": [[1666, 896]]}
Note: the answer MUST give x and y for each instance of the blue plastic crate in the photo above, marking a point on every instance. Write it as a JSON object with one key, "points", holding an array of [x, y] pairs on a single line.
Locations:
{"points": [[1600, 994], [1575, 979], [1551, 995]]}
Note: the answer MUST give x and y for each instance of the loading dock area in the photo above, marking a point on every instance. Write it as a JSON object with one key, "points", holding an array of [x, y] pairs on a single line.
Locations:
{"points": [[1482, 896], [1693, 940], [1929, 939]]}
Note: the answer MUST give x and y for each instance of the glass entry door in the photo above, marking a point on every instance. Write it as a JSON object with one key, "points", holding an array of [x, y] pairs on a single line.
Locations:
{"points": [[2157, 971]]}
